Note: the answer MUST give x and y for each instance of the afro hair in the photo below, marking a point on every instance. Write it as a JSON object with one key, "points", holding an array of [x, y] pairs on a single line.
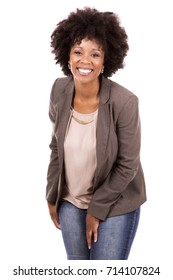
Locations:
{"points": [[89, 23]]}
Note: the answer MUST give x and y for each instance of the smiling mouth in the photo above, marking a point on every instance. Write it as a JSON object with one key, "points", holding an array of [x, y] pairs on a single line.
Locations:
{"points": [[84, 71]]}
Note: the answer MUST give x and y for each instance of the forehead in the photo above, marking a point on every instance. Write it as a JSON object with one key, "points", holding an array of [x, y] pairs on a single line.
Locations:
{"points": [[88, 42]]}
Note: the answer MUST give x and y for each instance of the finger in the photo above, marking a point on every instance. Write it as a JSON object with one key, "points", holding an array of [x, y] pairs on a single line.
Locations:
{"points": [[89, 239], [95, 235]]}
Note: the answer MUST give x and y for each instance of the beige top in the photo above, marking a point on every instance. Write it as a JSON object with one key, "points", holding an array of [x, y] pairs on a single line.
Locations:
{"points": [[80, 158]]}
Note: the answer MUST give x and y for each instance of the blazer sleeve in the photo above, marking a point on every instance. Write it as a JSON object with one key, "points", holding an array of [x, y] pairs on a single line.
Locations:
{"points": [[52, 173], [127, 162]]}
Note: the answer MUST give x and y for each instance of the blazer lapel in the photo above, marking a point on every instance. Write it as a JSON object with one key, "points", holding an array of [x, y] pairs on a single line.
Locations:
{"points": [[103, 124], [64, 106]]}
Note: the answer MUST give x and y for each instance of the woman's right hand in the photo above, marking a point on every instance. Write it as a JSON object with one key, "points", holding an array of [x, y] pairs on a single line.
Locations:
{"points": [[54, 215]]}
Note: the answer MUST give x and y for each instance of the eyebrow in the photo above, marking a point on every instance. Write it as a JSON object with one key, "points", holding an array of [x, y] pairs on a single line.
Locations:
{"points": [[100, 50]]}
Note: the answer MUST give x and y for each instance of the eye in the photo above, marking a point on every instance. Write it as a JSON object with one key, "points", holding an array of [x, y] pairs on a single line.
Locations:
{"points": [[95, 55], [77, 52]]}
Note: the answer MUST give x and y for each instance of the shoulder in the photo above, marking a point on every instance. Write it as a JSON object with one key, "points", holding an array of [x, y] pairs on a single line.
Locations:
{"points": [[118, 91], [60, 83], [63, 80], [120, 96], [59, 86]]}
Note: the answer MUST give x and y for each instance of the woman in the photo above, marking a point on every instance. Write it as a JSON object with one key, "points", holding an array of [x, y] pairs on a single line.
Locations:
{"points": [[95, 179]]}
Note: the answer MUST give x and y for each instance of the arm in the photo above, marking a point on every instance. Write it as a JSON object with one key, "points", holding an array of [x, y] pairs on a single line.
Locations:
{"points": [[126, 165], [52, 173]]}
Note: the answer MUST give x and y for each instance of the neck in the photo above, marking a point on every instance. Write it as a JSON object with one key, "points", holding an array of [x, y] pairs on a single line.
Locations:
{"points": [[85, 91], [86, 98]]}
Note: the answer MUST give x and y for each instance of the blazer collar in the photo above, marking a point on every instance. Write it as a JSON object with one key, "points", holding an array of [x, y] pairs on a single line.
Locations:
{"points": [[104, 90]]}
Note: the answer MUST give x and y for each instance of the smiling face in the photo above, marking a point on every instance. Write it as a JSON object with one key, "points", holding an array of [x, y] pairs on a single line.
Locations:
{"points": [[86, 61]]}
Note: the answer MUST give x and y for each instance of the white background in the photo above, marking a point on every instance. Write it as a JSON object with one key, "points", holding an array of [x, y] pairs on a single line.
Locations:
{"points": [[27, 71]]}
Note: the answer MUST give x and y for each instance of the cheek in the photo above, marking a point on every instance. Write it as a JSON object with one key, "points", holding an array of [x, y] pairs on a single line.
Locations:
{"points": [[99, 65], [73, 61]]}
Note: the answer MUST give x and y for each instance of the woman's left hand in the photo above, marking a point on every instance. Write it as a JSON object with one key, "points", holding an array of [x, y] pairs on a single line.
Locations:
{"points": [[92, 224]]}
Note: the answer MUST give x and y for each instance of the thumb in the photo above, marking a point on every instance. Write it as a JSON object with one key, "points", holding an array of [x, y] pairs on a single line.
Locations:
{"points": [[55, 219]]}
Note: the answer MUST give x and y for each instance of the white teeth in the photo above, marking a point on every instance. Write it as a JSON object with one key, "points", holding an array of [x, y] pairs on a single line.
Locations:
{"points": [[85, 71]]}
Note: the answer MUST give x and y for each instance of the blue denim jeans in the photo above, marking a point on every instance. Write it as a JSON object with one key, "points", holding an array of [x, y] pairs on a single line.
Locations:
{"points": [[115, 234]]}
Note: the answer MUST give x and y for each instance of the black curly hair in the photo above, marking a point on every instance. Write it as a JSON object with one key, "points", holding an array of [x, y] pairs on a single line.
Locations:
{"points": [[89, 23]]}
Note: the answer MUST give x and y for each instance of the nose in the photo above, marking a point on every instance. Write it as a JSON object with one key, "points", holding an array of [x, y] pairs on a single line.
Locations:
{"points": [[85, 58]]}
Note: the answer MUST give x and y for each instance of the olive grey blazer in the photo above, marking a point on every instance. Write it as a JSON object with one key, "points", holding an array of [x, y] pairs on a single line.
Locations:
{"points": [[119, 185]]}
